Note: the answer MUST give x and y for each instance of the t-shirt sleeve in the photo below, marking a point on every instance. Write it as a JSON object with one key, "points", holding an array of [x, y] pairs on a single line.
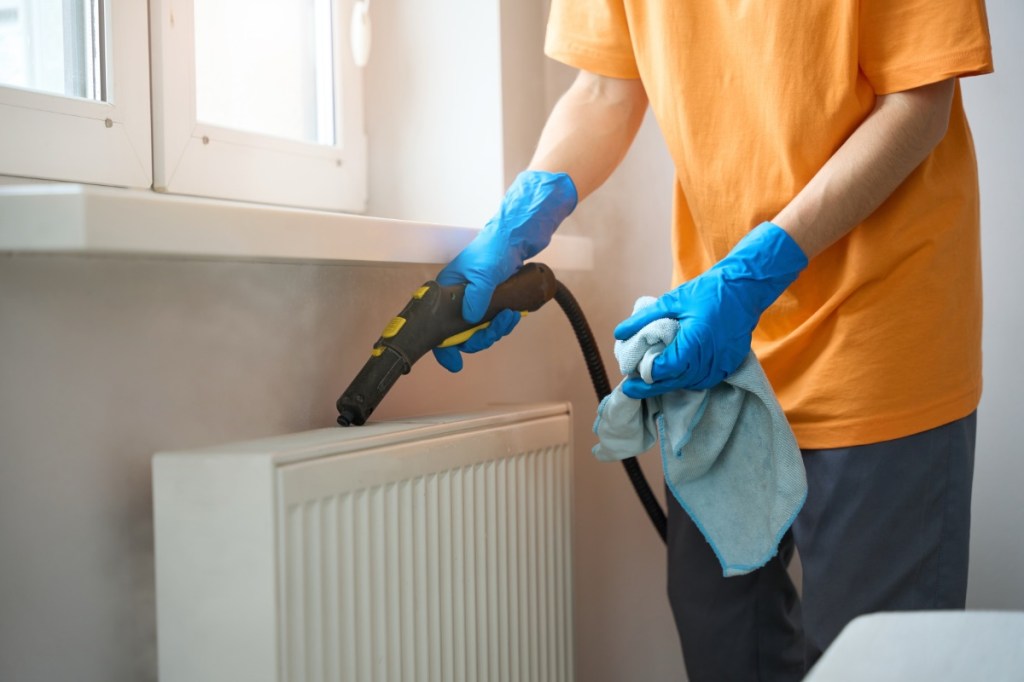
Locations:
{"points": [[905, 44], [592, 35]]}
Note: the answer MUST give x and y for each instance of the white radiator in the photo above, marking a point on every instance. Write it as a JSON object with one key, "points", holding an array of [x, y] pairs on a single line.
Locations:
{"points": [[436, 549]]}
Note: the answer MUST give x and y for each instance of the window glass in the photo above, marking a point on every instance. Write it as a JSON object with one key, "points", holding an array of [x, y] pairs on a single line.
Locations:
{"points": [[264, 66], [55, 46]]}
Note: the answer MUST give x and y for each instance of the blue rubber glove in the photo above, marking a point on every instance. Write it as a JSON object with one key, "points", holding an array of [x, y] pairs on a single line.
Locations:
{"points": [[717, 313], [533, 207]]}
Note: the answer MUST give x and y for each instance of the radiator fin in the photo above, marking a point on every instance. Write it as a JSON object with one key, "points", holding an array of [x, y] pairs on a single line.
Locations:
{"points": [[460, 575]]}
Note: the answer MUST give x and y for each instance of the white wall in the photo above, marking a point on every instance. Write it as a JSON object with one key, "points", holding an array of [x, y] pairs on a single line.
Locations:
{"points": [[434, 111], [995, 108], [455, 102]]}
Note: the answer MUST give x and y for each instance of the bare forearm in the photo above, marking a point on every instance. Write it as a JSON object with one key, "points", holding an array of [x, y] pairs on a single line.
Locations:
{"points": [[891, 142], [590, 129]]}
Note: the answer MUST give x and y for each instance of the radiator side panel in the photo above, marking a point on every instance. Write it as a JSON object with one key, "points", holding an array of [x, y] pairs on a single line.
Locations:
{"points": [[216, 569]]}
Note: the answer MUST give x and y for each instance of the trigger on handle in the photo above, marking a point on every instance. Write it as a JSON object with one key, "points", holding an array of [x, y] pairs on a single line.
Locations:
{"points": [[463, 336]]}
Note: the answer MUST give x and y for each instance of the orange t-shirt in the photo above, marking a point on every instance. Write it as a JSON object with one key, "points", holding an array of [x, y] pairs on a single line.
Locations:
{"points": [[880, 337]]}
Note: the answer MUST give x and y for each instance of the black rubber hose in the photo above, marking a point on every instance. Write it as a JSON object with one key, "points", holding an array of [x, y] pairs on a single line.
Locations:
{"points": [[599, 377]]}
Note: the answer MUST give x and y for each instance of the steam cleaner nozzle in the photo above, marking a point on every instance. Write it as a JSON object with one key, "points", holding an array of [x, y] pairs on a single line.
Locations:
{"points": [[431, 318]]}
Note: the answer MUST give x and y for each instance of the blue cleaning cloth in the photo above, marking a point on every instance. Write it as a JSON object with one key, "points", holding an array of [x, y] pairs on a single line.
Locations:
{"points": [[729, 455]]}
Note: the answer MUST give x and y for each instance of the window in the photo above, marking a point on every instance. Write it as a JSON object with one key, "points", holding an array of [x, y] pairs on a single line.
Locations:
{"points": [[53, 46], [74, 91], [256, 100], [284, 92]]}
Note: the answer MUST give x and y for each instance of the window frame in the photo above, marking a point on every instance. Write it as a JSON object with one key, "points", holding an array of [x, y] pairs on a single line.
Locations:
{"points": [[57, 137], [197, 158]]}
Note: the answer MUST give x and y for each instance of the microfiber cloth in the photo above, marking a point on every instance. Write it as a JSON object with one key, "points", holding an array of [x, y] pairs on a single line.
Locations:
{"points": [[729, 455]]}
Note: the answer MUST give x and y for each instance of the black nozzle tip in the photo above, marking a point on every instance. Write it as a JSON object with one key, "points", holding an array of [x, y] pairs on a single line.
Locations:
{"points": [[346, 418]]}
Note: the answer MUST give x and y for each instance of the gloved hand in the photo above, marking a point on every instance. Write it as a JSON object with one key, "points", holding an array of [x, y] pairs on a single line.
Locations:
{"points": [[717, 313], [533, 207]]}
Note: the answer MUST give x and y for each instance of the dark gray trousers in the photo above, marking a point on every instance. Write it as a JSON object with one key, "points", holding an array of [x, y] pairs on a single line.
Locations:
{"points": [[886, 527]]}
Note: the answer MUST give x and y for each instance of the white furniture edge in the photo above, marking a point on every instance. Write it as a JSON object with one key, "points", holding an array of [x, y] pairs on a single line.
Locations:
{"points": [[87, 219], [938, 646]]}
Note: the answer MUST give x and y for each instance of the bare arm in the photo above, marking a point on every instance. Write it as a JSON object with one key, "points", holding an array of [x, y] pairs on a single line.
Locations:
{"points": [[590, 129], [892, 141]]}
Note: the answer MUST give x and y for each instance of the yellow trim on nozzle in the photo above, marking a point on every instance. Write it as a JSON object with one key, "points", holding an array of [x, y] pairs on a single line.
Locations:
{"points": [[463, 336], [394, 326]]}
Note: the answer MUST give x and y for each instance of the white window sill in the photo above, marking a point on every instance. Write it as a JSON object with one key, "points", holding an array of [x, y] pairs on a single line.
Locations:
{"points": [[88, 219]]}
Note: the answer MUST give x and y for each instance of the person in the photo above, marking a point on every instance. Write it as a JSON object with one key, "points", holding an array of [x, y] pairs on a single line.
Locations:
{"points": [[826, 214]]}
